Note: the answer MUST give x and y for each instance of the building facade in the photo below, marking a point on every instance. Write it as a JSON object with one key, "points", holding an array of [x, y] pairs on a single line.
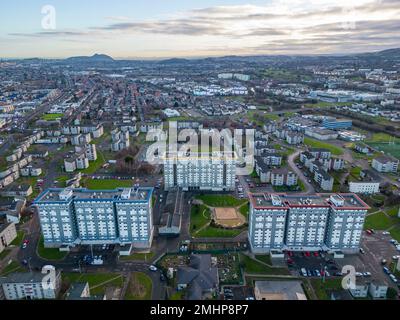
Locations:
{"points": [[30, 286], [214, 171], [83, 217], [331, 222], [364, 187]]}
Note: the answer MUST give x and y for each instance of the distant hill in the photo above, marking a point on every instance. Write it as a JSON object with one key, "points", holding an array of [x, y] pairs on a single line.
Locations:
{"points": [[94, 58], [174, 61]]}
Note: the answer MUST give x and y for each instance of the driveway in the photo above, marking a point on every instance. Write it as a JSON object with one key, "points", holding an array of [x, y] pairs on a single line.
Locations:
{"points": [[291, 161]]}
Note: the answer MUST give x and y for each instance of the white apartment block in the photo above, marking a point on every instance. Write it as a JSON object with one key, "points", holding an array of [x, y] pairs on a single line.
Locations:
{"points": [[120, 140], [385, 164], [214, 171], [364, 187], [30, 286], [8, 233], [79, 216], [296, 222]]}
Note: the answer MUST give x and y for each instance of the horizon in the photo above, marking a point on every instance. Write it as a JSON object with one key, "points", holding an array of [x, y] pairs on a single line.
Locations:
{"points": [[198, 57], [181, 29]]}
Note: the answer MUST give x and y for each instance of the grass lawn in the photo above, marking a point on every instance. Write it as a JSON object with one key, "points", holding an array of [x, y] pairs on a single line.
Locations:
{"points": [[395, 233], [221, 200], [14, 266], [244, 210], [319, 144], [251, 266], [393, 212], [140, 287], [138, 257], [18, 240], [199, 217], [4, 254], [98, 282], [49, 253], [107, 184], [94, 166], [180, 295], [264, 258], [213, 232], [52, 116], [321, 288], [378, 221]]}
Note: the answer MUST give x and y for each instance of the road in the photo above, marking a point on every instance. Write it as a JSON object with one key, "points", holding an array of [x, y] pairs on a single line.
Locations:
{"points": [[291, 161]]}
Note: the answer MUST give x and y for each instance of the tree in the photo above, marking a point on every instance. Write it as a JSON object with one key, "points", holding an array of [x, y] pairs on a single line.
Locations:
{"points": [[391, 293]]}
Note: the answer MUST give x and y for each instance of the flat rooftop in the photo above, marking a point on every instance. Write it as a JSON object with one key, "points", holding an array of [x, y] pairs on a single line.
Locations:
{"points": [[121, 194], [283, 200]]}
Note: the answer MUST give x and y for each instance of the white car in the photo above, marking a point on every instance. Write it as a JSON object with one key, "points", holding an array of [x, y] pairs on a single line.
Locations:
{"points": [[153, 268], [396, 257]]}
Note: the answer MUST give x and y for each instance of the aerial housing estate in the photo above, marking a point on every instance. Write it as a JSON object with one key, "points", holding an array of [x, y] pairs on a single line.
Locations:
{"points": [[71, 217], [329, 222]]}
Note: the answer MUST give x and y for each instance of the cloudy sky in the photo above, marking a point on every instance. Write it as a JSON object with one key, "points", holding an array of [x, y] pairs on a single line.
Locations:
{"points": [[193, 28]]}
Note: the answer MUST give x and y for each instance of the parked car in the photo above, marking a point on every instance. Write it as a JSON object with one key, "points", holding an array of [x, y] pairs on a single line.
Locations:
{"points": [[386, 270], [362, 251], [153, 268]]}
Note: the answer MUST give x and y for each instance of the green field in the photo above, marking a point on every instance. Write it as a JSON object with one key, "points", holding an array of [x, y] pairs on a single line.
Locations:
{"points": [[138, 257], [213, 232], [14, 266], [199, 217], [322, 289], [140, 287], [393, 212], [4, 254], [380, 142], [244, 210], [319, 144], [94, 166], [18, 240], [378, 221], [252, 266], [109, 184], [395, 233], [52, 254], [98, 282], [52, 116], [221, 201]]}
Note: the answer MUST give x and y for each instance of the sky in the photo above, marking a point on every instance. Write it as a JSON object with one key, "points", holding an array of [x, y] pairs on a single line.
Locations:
{"points": [[194, 28]]}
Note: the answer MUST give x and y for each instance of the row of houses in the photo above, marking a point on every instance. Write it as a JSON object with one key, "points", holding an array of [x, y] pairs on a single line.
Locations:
{"points": [[120, 140], [291, 137], [16, 170], [319, 162], [18, 152]]}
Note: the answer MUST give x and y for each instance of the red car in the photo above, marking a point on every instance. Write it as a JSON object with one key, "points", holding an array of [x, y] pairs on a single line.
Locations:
{"points": [[26, 241], [290, 253], [316, 254], [308, 254], [290, 261]]}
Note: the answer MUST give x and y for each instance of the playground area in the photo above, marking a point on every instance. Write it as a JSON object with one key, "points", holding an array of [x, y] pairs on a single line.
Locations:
{"points": [[228, 217]]}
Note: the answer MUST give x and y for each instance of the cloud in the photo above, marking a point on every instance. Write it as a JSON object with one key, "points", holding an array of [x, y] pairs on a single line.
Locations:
{"points": [[280, 26]]}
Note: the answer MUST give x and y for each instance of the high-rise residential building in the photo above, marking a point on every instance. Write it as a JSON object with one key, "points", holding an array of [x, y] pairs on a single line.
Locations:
{"points": [[81, 217], [332, 222], [214, 171]]}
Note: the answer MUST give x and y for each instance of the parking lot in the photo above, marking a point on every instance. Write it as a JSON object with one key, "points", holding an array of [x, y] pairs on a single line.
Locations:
{"points": [[237, 293], [376, 248], [312, 264]]}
